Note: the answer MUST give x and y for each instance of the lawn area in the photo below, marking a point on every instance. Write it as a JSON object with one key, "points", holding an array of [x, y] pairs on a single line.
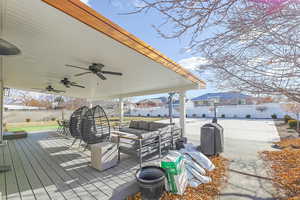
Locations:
{"points": [[31, 126], [52, 125]]}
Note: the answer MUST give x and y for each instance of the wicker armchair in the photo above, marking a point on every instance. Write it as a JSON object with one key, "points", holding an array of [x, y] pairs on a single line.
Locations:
{"points": [[75, 123], [95, 127]]}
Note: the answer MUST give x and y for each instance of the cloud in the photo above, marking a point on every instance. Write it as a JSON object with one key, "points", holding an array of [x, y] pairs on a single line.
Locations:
{"points": [[193, 63], [125, 5], [137, 3], [87, 2]]}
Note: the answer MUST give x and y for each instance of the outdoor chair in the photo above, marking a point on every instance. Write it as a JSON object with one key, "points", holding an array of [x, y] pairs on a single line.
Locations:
{"points": [[95, 126], [66, 125], [60, 127], [144, 139], [75, 123]]}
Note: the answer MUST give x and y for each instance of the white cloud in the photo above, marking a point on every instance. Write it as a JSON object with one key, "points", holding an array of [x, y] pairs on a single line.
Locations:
{"points": [[137, 3], [125, 5], [193, 63], [87, 2]]}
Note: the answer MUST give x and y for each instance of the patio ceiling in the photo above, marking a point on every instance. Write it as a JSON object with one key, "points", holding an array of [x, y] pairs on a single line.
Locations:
{"points": [[52, 33]]}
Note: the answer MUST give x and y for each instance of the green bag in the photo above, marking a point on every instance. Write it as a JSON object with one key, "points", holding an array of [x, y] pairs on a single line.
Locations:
{"points": [[173, 170]]}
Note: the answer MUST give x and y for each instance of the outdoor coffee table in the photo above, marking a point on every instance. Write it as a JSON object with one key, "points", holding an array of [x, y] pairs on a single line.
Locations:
{"points": [[104, 155]]}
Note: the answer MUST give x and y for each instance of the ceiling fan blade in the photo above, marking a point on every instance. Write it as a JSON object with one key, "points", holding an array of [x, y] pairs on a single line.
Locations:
{"points": [[112, 73], [100, 75], [39, 90], [82, 73], [58, 91], [67, 65], [76, 85]]}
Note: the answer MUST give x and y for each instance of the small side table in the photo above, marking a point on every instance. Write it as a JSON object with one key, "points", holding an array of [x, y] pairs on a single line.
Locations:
{"points": [[104, 155]]}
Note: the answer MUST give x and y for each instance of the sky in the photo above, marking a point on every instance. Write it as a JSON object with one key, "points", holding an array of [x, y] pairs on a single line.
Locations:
{"points": [[141, 26]]}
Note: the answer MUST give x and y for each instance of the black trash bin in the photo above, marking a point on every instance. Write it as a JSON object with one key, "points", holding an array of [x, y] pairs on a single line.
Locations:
{"points": [[212, 139], [151, 180]]}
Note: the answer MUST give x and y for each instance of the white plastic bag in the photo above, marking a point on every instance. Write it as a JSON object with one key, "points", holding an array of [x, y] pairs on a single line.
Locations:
{"points": [[192, 181], [198, 176], [200, 159], [194, 165]]}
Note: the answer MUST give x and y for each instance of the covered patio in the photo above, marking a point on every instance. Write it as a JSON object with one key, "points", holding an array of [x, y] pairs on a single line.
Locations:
{"points": [[50, 35]]}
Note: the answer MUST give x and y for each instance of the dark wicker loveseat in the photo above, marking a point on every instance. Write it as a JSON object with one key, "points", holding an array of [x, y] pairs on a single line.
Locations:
{"points": [[143, 138]]}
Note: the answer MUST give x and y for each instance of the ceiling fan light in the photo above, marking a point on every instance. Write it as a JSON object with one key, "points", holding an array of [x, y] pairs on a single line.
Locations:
{"points": [[8, 49]]}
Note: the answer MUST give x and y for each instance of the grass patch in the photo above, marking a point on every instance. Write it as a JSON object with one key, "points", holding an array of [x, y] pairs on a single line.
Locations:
{"points": [[52, 125], [32, 128]]}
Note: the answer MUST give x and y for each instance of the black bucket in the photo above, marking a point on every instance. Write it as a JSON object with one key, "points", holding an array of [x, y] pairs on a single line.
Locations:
{"points": [[151, 180]]}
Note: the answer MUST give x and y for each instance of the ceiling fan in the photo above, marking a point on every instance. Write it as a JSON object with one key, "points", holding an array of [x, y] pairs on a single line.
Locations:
{"points": [[95, 68], [67, 83], [49, 88]]}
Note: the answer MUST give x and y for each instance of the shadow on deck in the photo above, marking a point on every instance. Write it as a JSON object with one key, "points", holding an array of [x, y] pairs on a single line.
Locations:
{"points": [[44, 167]]}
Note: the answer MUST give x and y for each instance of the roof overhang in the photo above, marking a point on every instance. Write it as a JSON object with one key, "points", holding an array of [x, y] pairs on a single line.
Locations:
{"points": [[52, 33]]}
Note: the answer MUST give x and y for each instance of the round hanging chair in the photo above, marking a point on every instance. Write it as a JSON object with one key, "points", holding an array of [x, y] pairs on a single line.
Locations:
{"points": [[95, 126], [75, 122]]}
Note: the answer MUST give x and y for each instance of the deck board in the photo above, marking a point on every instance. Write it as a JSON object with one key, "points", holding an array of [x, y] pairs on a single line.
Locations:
{"points": [[24, 186], [109, 177], [59, 186], [12, 190], [82, 168], [45, 167], [2, 176], [83, 189], [50, 182], [36, 184]]}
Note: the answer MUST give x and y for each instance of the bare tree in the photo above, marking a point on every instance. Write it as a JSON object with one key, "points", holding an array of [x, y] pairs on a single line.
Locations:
{"points": [[250, 45]]}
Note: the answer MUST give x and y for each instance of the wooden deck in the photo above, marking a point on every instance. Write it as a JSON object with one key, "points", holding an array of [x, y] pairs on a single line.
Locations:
{"points": [[44, 167]]}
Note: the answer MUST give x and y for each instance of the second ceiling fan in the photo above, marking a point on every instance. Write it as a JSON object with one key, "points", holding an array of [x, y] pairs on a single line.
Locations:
{"points": [[95, 68]]}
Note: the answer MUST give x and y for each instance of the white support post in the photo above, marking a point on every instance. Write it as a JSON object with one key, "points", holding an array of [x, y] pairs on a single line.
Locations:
{"points": [[121, 109], [182, 112], [1, 110]]}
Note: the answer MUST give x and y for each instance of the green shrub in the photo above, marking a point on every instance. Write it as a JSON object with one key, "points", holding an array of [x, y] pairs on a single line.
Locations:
{"points": [[203, 115], [223, 115], [248, 116], [28, 120], [274, 116], [287, 118], [292, 123]]}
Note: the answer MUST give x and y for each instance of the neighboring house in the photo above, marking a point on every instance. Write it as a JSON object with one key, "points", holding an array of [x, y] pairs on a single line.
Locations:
{"points": [[222, 98], [176, 103], [153, 102]]}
